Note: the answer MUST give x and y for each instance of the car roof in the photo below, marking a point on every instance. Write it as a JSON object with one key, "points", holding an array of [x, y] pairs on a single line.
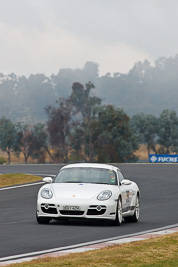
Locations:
{"points": [[91, 165]]}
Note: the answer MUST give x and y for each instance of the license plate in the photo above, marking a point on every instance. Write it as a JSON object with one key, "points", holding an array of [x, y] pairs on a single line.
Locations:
{"points": [[71, 208]]}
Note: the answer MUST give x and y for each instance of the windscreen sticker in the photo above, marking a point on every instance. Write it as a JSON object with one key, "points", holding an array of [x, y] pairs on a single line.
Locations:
{"points": [[113, 179]]}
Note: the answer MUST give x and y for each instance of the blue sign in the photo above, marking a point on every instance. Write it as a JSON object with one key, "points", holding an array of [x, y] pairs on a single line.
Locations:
{"points": [[154, 158]]}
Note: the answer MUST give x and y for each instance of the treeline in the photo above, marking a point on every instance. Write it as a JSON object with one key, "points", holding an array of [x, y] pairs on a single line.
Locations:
{"points": [[81, 128], [158, 133], [78, 128], [24, 98], [146, 87]]}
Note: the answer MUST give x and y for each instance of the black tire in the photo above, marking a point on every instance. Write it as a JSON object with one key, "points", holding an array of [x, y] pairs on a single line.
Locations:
{"points": [[136, 215], [118, 219], [42, 220]]}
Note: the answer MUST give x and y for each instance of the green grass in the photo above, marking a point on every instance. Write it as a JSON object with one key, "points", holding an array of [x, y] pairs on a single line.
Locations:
{"points": [[154, 252], [18, 178]]}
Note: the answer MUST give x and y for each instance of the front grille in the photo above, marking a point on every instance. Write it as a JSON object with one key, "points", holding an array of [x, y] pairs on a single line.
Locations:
{"points": [[71, 212], [49, 208], [96, 210]]}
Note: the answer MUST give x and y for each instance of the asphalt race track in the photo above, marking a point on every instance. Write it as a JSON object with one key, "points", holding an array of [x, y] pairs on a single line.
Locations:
{"points": [[20, 233]]}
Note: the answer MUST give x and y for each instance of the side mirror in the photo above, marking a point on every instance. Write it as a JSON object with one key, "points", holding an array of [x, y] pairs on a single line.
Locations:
{"points": [[47, 180], [126, 182]]}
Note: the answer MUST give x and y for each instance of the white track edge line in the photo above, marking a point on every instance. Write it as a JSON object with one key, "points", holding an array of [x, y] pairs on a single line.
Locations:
{"points": [[19, 186], [31, 254], [24, 185]]}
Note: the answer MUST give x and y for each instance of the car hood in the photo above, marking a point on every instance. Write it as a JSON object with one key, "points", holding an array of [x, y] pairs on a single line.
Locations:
{"points": [[79, 191]]}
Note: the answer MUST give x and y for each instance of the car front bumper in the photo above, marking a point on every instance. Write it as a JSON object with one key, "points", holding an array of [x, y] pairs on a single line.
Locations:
{"points": [[89, 209]]}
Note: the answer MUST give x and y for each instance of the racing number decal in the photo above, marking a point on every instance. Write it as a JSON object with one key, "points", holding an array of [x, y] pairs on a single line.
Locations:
{"points": [[127, 196]]}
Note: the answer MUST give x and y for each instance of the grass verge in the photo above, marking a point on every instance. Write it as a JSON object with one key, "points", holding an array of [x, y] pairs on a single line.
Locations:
{"points": [[157, 252], [18, 178]]}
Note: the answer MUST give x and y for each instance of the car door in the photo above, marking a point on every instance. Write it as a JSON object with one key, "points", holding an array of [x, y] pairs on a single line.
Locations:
{"points": [[126, 191]]}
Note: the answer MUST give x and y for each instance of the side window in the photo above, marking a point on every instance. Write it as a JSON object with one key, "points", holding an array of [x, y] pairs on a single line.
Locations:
{"points": [[120, 176]]}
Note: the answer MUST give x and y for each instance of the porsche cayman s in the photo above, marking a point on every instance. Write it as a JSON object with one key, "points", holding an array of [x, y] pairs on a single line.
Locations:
{"points": [[91, 191]]}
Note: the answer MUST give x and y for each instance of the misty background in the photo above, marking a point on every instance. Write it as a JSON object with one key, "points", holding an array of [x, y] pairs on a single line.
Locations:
{"points": [[127, 49], [144, 89]]}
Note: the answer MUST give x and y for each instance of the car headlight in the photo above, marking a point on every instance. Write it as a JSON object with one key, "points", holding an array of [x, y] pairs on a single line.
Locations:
{"points": [[104, 195], [46, 193]]}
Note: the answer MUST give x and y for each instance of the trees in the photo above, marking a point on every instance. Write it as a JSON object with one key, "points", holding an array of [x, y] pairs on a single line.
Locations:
{"points": [[38, 93], [93, 132], [58, 127], [116, 141], [85, 108], [162, 131], [168, 132], [9, 137], [26, 138], [83, 102], [39, 142], [80, 126], [146, 87], [145, 127], [16, 138], [34, 142]]}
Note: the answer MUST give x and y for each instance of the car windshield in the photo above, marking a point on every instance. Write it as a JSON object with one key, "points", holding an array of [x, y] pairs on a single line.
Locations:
{"points": [[87, 175]]}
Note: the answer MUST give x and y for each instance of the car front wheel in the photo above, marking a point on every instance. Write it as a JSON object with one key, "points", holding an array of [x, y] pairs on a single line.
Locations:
{"points": [[136, 215], [118, 219]]}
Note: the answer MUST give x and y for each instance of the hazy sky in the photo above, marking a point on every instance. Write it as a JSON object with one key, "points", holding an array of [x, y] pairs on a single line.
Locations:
{"points": [[43, 36]]}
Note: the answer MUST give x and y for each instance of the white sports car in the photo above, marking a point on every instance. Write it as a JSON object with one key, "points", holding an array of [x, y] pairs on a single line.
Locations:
{"points": [[88, 190]]}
